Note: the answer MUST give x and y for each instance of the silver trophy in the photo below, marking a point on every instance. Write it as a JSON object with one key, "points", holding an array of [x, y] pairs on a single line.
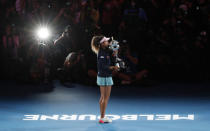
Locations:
{"points": [[114, 46]]}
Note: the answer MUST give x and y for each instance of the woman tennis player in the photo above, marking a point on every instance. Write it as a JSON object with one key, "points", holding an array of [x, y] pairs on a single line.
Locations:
{"points": [[100, 45]]}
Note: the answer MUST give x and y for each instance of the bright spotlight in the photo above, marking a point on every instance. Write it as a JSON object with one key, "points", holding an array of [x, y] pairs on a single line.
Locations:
{"points": [[43, 33]]}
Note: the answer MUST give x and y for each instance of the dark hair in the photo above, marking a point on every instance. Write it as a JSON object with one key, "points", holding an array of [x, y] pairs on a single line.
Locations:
{"points": [[72, 58]]}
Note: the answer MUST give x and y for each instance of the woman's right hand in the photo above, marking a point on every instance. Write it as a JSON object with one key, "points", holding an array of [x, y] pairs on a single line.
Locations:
{"points": [[114, 68]]}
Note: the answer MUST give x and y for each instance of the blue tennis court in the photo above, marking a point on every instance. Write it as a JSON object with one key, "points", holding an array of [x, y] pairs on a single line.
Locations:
{"points": [[164, 107]]}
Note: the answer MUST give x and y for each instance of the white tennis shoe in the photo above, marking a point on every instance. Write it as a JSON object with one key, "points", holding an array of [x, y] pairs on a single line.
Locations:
{"points": [[105, 120]]}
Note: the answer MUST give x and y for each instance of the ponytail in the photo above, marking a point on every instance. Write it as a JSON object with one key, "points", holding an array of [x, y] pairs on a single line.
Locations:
{"points": [[95, 43]]}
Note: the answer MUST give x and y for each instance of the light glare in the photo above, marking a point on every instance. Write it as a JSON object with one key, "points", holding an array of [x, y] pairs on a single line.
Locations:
{"points": [[43, 33]]}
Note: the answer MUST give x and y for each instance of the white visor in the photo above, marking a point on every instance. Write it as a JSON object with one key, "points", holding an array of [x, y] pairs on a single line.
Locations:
{"points": [[104, 39]]}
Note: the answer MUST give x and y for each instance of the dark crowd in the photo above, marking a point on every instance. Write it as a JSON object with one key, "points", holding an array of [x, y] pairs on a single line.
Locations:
{"points": [[161, 40]]}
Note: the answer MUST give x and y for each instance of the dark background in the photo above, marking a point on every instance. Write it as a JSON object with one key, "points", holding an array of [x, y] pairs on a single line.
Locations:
{"points": [[169, 38]]}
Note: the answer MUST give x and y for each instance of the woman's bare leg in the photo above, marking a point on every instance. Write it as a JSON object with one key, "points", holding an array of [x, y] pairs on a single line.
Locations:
{"points": [[102, 101], [107, 95]]}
